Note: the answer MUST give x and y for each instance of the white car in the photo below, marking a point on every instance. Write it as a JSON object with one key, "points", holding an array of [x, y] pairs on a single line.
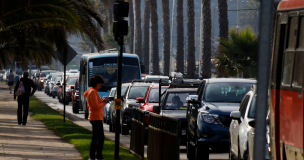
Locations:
{"points": [[241, 130]]}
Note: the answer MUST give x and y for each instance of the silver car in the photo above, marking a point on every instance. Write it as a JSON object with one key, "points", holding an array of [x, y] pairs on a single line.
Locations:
{"points": [[241, 130]]}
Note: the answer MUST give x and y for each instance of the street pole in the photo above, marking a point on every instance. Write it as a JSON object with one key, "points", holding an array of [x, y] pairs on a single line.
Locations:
{"points": [[266, 18], [171, 47], [201, 42], [119, 60], [150, 47], [64, 81]]}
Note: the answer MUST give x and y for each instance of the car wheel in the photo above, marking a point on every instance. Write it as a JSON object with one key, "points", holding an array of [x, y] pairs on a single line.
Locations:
{"points": [[201, 151], [54, 96], [75, 110], [231, 155], [67, 103], [124, 130], [190, 149], [104, 119]]}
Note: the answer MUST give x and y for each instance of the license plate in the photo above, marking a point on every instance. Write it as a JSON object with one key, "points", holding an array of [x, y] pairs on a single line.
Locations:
{"points": [[183, 132]]}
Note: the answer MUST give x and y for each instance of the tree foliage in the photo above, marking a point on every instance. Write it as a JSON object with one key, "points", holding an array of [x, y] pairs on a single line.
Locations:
{"points": [[239, 53], [34, 29]]}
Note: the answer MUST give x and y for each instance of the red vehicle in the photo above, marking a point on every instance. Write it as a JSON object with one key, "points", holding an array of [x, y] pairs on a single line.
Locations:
{"points": [[75, 97], [42, 76], [70, 84], [151, 98], [286, 82]]}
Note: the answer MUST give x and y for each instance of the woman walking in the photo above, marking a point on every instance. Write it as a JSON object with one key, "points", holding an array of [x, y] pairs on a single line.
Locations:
{"points": [[95, 106]]}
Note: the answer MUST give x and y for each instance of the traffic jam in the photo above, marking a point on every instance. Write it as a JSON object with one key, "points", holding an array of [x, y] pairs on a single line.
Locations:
{"points": [[215, 114]]}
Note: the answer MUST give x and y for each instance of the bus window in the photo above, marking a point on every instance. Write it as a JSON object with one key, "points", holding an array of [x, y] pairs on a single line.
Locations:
{"points": [[293, 25], [299, 59], [287, 70]]}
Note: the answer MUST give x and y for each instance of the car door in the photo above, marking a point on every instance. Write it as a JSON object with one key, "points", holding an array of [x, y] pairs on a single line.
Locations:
{"points": [[234, 127]]}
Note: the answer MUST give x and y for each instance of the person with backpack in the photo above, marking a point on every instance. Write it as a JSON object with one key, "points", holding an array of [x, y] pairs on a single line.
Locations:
{"points": [[25, 84]]}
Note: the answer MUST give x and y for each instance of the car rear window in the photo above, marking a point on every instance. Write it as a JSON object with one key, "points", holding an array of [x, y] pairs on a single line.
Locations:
{"points": [[176, 100], [136, 92], [72, 80], [154, 95]]}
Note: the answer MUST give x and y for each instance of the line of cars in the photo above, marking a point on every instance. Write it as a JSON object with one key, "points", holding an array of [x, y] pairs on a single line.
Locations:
{"points": [[53, 84], [208, 112]]}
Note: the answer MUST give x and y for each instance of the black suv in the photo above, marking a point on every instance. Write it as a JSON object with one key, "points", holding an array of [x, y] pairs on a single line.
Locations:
{"points": [[208, 114], [174, 105]]}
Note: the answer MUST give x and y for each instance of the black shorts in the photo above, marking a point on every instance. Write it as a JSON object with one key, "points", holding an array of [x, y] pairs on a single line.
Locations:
{"points": [[10, 83]]}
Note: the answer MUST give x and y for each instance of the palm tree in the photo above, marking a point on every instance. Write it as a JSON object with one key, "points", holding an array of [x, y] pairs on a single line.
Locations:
{"points": [[191, 40], [180, 37], [223, 18], [138, 46], [146, 31], [239, 53], [166, 39], [206, 65], [131, 19], [154, 30], [50, 21]]}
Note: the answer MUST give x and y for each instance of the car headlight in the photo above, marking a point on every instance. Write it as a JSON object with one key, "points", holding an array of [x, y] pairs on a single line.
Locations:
{"points": [[209, 118], [41, 80]]}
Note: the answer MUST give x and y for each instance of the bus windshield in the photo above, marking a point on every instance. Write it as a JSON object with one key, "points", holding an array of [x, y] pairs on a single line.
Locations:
{"points": [[107, 68]]}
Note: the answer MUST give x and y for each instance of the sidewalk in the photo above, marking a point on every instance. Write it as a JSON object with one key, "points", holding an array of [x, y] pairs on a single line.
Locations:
{"points": [[33, 141]]}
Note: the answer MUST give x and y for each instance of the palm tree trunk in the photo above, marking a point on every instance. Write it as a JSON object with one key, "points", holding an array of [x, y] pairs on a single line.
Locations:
{"points": [[191, 41], [138, 45], [154, 30], [223, 25], [166, 35], [206, 65], [223, 18], [180, 37], [146, 29], [131, 18]]}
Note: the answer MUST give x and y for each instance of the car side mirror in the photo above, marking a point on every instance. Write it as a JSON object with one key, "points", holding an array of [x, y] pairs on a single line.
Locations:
{"points": [[252, 123], [57, 84], [235, 115], [156, 109], [140, 100], [72, 87], [192, 99]]}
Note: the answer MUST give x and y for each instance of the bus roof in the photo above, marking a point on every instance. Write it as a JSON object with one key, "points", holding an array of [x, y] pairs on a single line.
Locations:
{"points": [[97, 55], [290, 4]]}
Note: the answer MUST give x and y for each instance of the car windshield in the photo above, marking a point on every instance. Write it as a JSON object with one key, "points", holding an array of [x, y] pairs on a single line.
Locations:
{"points": [[137, 91], [251, 113], [176, 100], [54, 77], [72, 80], [154, 95], [226, 92], [44, 74], [123, 91]]}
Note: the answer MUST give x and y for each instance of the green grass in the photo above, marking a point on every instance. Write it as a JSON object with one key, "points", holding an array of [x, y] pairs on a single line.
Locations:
{"points": [[72, 133]]}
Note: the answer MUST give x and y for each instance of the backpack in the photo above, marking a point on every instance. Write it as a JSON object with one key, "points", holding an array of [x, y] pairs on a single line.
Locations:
{"points": [[21, 90]]}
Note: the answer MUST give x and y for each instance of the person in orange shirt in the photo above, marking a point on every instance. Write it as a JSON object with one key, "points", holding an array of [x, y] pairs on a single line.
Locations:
{"points": [[95, 106]]}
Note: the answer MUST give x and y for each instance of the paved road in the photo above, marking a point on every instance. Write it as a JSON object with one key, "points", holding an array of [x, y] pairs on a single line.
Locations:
{"points": [[124, 140]]}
